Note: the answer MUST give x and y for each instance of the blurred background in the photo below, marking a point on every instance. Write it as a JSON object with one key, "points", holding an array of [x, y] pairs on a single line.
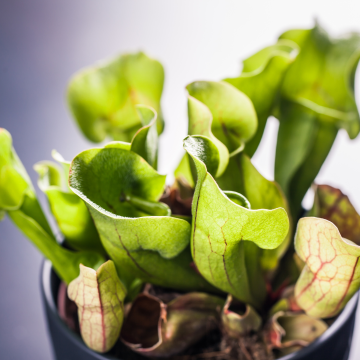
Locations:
{"points": [[42, 43]]}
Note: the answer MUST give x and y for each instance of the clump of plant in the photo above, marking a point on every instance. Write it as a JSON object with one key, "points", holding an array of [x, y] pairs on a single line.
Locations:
{"points": [[159, 269]]}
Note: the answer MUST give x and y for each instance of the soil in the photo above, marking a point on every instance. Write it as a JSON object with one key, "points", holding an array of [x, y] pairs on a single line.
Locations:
{"points": [[216, 346]]}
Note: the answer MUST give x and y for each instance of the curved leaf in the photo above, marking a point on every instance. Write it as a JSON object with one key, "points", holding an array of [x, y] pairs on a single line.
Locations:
{"points": [[226, 238], [332, 272], [290, 332], [261, 79], [317, 99], [122, 191], [215, 112], [99, 296], [183, 171], [328, 87], [24, 210], [200, 121], [145, 141], [16, 189], [302, 147], [70, 212], [241, 176], [103, 98], [238, 199], [222, 113], [234, 120], [237, 323]]}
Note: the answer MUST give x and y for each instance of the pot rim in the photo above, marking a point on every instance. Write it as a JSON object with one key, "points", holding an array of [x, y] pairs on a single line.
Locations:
{"points": [[45, 285]]}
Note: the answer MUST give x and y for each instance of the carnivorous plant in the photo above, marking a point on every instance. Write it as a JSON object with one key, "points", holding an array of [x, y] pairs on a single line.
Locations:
{"points": [[223, 252]]}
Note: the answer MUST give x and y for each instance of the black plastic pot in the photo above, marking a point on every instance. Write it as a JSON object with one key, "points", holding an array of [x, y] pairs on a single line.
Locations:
{"points": [[334, 344]]}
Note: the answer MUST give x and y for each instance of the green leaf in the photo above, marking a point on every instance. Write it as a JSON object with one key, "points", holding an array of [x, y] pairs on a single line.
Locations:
{"points": [[234, 120], [200, 121], [65, 262], [99, 296], [238, 321], [122, 191], [238, 199], [227, 239], [290, 332], [157, 329], [225, 115], [241, 176], [13, 187], [183, 171], [302, 147], [70, 212], [331, 274], [261, 79], [215, 111], [103, 98], [65, 166], [16, 190], [145, 141], [317, 99], [24, 210], [331, 204]]}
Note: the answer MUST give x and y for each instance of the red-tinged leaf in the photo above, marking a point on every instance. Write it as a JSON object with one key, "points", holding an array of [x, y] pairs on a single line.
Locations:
{"points": [[290, 331], [99, 296], [333, 205], [331, 274]]}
